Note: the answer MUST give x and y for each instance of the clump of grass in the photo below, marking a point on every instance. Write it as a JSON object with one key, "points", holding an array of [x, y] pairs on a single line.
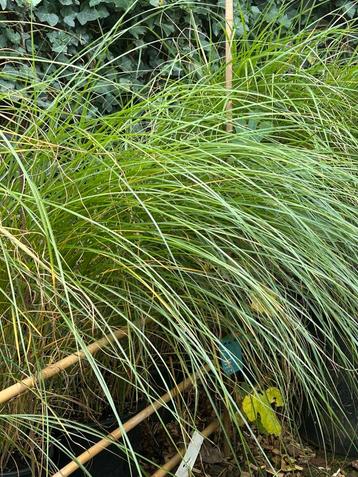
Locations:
{"points": [[156, 218]]}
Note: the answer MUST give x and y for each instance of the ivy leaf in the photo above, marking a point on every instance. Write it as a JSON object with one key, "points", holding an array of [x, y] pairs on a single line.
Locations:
{"points": [[70, 19], [91, 14], [13, 36], [59, 40], [123, 4], [3, 42], [6, 85], [51, 18], [83, 36], [137, 31], [284, 21], [349, 9], [168, 28], [69, 16], [240, 28], [272, 14], [33, 3], [255, 11], [125, 64], [94, 3]]}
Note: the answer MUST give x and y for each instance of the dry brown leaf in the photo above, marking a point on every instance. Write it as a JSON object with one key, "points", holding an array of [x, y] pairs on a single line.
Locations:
{"points": [[211, 454], [291, 468], [276, 473], [293, 450]]}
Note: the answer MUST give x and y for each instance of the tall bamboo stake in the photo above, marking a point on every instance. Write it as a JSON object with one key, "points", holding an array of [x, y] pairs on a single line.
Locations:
{"points": [[126, 427], [176, 459], [229, 20], [55, 368]]}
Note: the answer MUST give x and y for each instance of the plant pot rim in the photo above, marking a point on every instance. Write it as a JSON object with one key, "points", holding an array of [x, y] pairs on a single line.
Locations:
{"points": [[17, 473], [25, 471]]}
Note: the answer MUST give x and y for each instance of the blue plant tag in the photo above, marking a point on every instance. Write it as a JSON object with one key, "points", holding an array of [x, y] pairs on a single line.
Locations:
{"points": [[231, 355]]}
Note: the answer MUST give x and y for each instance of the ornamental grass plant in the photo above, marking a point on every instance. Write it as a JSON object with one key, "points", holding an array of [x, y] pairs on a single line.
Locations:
{"points": [[155, 218]]}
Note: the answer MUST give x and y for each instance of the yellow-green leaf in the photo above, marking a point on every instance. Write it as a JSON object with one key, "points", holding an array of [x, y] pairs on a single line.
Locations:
{"points": [[249, 406], [269, 419], [257, 407], [274, 396]]}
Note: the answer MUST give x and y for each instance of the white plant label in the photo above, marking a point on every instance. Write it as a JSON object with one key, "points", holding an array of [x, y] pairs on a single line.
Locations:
{"points": [[192, 452]]}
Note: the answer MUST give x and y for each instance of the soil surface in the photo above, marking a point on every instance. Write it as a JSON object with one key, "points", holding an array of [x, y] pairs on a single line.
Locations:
{"points": [[285, 456], [283, 459]]}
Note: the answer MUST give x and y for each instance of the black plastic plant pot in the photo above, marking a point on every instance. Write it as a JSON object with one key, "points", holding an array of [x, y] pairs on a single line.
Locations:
{"points": [[23, 469], [112, 461], [26, 472], [337, 433]]}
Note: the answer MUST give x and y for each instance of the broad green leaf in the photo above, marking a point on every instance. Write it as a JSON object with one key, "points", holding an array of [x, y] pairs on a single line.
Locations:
{"points": [[3, 41], [268, 419], [257, 407], [60, 41], [13, 36], [350, 9], [284, 21], [6, 85], [123, 4], [51, 18], [33, 3], [274, 396], [137, 31], [250, 406], [91, 14], [69, 16]]}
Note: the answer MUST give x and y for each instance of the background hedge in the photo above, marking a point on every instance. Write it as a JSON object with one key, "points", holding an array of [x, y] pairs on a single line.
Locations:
{"points": [[144, 36]]}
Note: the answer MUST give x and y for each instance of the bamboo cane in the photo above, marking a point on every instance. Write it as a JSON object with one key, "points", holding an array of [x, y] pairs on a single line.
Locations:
{"points": [[176, 459], [55, 368], [229, 20], [126, 427]]}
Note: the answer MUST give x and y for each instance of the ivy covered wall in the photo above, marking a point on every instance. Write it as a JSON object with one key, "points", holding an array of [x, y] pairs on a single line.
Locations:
{"points": [[144, 36]]}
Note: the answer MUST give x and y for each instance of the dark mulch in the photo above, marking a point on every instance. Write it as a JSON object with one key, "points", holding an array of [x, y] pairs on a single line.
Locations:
{"points": [[281, 457]]}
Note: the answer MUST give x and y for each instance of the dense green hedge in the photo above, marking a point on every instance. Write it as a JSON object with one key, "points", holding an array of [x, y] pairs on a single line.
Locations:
{"points": [[145, 35]]}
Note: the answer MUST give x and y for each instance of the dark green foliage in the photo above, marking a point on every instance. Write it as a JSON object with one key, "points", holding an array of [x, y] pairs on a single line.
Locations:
{"points": [[144, 40]]}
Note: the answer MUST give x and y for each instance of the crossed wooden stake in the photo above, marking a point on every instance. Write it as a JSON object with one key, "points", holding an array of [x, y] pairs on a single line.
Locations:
{"points": [[52, 370]]}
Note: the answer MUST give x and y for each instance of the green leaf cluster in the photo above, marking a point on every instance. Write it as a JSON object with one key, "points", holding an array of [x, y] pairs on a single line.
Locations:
{"points": [[144, 37]]}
